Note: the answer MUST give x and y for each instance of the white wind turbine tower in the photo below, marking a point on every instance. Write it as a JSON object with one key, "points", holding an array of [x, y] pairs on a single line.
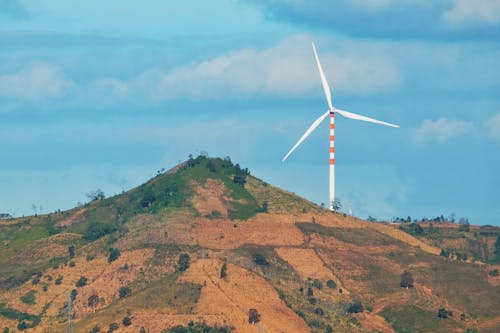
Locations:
{"points": [[331, 112]]}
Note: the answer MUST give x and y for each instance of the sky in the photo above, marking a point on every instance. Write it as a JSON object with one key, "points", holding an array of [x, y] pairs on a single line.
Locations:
{"points": [[100, 94]]}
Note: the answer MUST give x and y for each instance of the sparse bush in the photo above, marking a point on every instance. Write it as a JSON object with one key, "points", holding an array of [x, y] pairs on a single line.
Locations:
{"points": [[95, 329], [59, 279], [184, 262], [223, 271], [355, 306], [406, 280], [113, 327], [127, 321], [113, 254], [71, 251], [29, 297], [97, 230], [124, 292], [331, 284], [253, 316], [317, 284], [81, 282]]}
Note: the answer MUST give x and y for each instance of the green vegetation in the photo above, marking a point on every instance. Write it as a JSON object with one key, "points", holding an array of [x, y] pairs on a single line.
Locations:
{"points": [[29, 297], [493, 272], [356, 236], [183, 262], [223, 271], [71, 251], [409, 319], [198, 328], [25, 320], [406, 280], [253, 316], [124, 292], [126, 321], [82, 281], [113, 254], [97, 230]]}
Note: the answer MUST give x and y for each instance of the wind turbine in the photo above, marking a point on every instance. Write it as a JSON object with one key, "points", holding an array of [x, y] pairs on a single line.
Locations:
{"points": [[331, 112]]}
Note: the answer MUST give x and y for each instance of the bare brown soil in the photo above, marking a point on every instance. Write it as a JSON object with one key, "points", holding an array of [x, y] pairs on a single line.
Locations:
{"points": [[73, 219]]}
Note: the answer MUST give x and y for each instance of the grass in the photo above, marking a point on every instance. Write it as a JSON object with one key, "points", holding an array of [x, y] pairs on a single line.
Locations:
{"points": [[162, 294], [356, 236], [411, 319]]}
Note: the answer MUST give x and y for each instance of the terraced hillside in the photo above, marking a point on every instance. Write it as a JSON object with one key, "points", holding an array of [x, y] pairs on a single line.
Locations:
{"points": [[207, 242]]}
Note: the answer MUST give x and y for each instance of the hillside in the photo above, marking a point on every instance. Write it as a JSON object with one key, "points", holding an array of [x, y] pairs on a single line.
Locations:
{"points": [[206, 242]]}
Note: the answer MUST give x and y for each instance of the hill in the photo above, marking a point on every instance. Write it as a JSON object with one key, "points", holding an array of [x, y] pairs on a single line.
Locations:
{"points": [[201, 245]]}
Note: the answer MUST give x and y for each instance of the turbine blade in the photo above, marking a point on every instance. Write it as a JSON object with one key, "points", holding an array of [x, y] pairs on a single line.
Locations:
{"points": [[326, 88], [363, 118], [306, 134]]}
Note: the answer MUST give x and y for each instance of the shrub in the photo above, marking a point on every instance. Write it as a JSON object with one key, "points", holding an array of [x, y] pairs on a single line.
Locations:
{"points": [[253, 316], [96, 230], [113, 327], [493, 272], [184, 262], [59, 279], [355, 307], [124, 292], [312, 300], [127, 321], [72, 263], [317, 284], [223, 271], [331, 284], [81, 282], [113, 254], [73, 294], [95, 329], [29, 297], [71, 251], [310, 292], [406, 280]]}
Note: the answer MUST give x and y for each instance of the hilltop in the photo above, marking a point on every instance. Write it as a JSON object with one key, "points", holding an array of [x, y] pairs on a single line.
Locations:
{"points": [[206, 242]]}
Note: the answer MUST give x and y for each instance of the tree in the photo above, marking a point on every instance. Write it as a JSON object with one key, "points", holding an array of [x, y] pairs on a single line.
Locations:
{"points": [[113, 254], [331, 284], [184, 262], [124, 292], [253, 316], [71, 251], [310, 292], [443, 313], [81, 282], [260, 259], [406, 280], [96, 195], [95, 329], [223, 271]]}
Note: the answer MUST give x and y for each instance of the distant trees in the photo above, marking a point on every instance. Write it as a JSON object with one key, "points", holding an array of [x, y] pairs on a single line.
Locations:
{"points": [[96, 195], [406, 280], [253, 316], [96, 230], [184, 262], [464, 225], [337, 205]]}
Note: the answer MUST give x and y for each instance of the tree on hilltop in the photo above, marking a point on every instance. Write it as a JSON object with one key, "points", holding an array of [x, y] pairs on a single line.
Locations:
{"points": [[406, 280]]}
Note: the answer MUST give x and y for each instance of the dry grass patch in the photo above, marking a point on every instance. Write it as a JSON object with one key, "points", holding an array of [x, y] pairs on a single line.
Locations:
{"points": [[261, 230], [234, 296]]}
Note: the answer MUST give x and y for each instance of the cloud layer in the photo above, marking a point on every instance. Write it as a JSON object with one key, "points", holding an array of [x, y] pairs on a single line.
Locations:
{"points": [[421, 19], [441, 130]]}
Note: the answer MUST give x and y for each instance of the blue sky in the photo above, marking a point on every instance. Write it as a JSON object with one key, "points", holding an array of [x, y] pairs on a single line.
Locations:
{"points": [[102, 94]]}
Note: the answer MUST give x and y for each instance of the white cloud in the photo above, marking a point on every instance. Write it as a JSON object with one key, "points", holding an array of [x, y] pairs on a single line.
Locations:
{"points": [[493, 126], [34, 83], [287, 69], [441, 130], [473, 12]]}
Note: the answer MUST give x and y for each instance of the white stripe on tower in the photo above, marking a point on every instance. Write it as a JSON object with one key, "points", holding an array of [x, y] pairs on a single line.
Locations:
{"points": [[332, 160]]}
